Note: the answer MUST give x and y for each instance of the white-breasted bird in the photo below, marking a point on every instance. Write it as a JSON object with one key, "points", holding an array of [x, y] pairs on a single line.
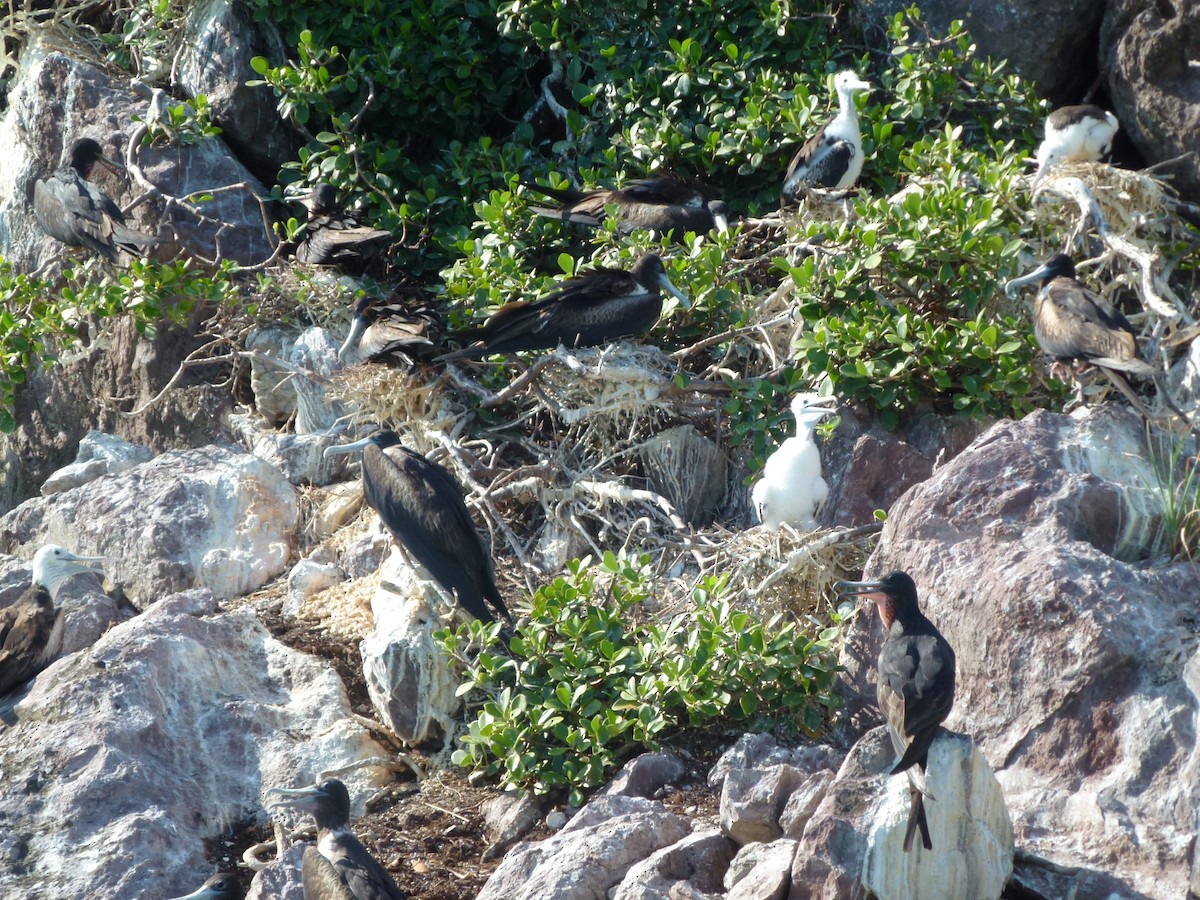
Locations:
{"points": [[1076, 134], [791, 488], [833, 157]]}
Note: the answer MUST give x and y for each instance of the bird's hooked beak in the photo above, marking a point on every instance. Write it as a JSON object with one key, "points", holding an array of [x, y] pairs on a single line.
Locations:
{"points": [[357, 328], [341, 450], [863, 590], [1014, 286], [207, 892], [114, 167], [304, 798], [76, 563], [674, 291]]}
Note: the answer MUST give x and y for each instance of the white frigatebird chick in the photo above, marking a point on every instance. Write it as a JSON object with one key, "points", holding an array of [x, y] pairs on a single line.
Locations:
{"points": [[76, 212], [333, 237], [422, 506], [222, 886], [29, 634], [1075, 326], [1076, 134], [791, 488], [594, 308], [915, 689], [391, 328], [661, 204], [833, 157], [339, 866]]}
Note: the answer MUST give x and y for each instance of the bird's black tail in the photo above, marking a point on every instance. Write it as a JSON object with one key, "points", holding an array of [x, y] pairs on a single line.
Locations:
{"points": [[562, 195], [916, 819]]}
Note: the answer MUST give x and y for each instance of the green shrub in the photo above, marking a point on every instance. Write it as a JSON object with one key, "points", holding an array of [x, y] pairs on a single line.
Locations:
{"points": [[589, 683]]}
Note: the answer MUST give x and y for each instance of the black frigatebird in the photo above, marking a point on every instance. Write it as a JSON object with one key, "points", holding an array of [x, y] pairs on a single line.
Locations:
{"points": [[339, 866], [333, 237], [222, 886], [29, 638], [76, 212], [590, 309], [833, 157], [422, 506], [661, 204], [391, 328], [915, 689]]}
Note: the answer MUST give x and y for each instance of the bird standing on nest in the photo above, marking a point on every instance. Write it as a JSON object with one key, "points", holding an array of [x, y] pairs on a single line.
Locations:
{"points": [[915, 688], [73, 210], [391, 328], [833, 157], [791, 488], [333, 237], [30, 630], [590, 309], [661, 204], [1076, 134]]}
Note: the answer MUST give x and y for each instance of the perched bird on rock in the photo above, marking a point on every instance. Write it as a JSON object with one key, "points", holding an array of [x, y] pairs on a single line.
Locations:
{"points": [[222, 886], [391, 328], [590, 309], [791, 488], [73, 210], [833, 157], [30, 632], [422, 506], [661, 204], [333, 237], [915, 689], [1076, 134], [1077, 327], [339, 866]]}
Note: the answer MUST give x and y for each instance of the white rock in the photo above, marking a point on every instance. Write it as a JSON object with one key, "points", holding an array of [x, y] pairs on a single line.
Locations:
{"points": [[309, 577], [98, 454]]}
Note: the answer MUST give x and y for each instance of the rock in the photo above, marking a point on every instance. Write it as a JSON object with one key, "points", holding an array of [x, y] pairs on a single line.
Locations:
{"points": [[804, 802], [282, 879], [646, 775], [752, 801], [852, 846], [1049, 42], [156, 738], [756, 750], [220, 37], [214, 517], [556, 819], [761, 871], [590, 855], [307, 578], [1030, 551], [313, 350], [688, 469], [507, 819], [99, 454], [879, 470], [1147, 51], [410, 685], [690, 868], [300, 457]]}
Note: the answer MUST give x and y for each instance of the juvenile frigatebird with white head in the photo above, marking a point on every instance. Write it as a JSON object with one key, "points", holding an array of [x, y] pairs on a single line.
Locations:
{"points": [[791, 488], [73, 210], [339, 866], [30, 629], [222, 886], [915, 687], [590, 309], [662, 204], [1076, 134], [422, 507], [833, 157]]}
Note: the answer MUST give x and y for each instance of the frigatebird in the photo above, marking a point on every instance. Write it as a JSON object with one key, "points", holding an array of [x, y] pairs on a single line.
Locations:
{"points": [[391, 328], [791, 488], [339, 866], [333, 237], [1076, 134], [29, 634], [76, 212], [661, 204], [590, 309], [833, 157], [222, 886], [915, 689], [422, 507], [1074, 325]]}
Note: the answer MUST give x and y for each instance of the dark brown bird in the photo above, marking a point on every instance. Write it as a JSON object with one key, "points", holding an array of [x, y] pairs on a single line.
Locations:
{"points": [[29, 638], [916, 684], [73, 210], [662, 204], [1075, 326], [222, 886], [392, 328], [595, 308], [422, 506], [333, 237], [339, 866]]}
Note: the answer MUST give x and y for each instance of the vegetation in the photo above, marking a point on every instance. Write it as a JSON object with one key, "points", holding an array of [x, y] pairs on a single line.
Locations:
{"points": [[589, 683]]}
